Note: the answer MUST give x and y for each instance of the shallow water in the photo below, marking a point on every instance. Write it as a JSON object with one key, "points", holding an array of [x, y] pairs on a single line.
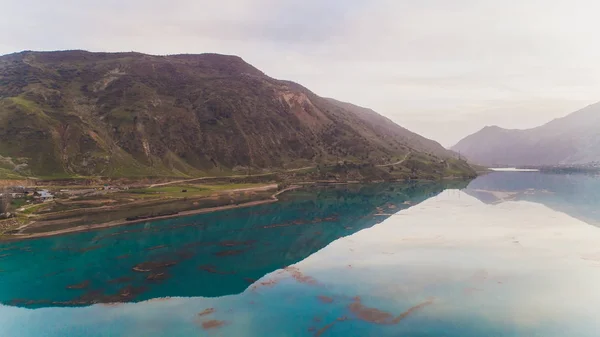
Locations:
{"points": [[372, 260]]}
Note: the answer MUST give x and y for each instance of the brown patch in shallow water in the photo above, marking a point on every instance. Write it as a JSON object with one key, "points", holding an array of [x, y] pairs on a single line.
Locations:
{"points": [[206, 312], [212, 324], [267, 283], [24, 302], [212, 269], [157, 277], [298, 276], [325, 299], [324, 329], [185, 254], [90, 248], [81, 285], [160, 299], [229, 252], [125, 294], [374, 315], [412, 310], [371, 315], [198, 244], [129, 293], [111, 305], [277, 225], [149, 266], [156, 247], [236, 243]]}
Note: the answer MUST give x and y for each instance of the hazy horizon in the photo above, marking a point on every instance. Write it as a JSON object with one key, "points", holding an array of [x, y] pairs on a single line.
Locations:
{"points": [[443, 70]]}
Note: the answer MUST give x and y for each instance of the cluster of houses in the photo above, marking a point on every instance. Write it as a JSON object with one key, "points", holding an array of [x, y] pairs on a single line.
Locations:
{"points": [[17, 192]]}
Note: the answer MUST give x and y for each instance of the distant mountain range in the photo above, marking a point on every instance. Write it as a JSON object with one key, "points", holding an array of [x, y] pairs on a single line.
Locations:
{"points": [[77, 113], [571, 140]]}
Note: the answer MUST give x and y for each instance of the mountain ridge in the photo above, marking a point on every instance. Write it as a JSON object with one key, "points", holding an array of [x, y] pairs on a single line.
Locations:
{"points": [[570, 140], [71, 113]]}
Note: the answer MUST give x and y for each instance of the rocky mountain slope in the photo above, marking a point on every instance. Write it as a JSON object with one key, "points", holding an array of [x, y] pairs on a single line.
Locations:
{"points": [[77, 113], [571, 140]]}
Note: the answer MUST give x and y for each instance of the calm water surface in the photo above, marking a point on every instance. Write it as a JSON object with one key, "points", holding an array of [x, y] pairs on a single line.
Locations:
{"points": [[511, 254]]}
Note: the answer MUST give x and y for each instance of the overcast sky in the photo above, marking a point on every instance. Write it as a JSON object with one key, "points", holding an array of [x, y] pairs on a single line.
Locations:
{"points": [[442, 68]]}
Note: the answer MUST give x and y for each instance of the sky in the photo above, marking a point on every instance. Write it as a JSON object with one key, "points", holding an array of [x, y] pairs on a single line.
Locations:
{"points": [[441, 68]]}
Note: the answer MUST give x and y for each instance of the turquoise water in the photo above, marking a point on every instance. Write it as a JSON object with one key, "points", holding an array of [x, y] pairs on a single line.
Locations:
{"points": [[428, 259]]}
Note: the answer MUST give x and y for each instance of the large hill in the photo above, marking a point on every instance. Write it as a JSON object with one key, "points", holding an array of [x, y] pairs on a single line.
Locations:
{"points": [[74, 113], [571, 140]]}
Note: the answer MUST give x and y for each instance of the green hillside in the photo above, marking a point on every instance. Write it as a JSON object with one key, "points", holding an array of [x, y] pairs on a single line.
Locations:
{"points": [[76, 113]]}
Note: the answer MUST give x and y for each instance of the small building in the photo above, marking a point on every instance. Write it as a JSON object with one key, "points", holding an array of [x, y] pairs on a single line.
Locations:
{"points": [[43, 195]]}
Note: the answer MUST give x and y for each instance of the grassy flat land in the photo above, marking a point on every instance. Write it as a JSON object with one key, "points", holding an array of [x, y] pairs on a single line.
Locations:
{"points": [[100, 200], [98, 205], [191, 190]]}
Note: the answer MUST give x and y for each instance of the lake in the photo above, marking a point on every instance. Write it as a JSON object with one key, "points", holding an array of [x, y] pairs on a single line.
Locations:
{"points": [[507, 254]]}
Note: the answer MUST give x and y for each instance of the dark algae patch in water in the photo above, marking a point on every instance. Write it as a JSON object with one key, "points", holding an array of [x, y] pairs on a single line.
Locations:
{"points": [[150, 266], [81, 285], [325, 299], [360, 312], [207, 255], [374, 315], [209, 268], [300, 277], [157, 276], [229, 252], [203, 320], [206, 312], [212, 324]]}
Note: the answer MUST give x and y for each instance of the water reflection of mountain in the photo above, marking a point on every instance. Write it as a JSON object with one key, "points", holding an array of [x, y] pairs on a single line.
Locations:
{"points": [[575, 194], [206, 255]]}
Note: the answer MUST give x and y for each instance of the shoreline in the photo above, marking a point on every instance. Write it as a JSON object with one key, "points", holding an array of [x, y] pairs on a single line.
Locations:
{"points": [[273, 198], [123, 222]]}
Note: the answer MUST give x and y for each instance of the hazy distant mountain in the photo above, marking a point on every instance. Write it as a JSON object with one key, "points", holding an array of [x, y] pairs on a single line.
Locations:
{"points": [[574, 139], [75, 113]]}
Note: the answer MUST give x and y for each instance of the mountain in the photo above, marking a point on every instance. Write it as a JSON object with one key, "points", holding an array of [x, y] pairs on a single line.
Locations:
{"points": [[570, 140], [387, 129], [78, 113]]}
